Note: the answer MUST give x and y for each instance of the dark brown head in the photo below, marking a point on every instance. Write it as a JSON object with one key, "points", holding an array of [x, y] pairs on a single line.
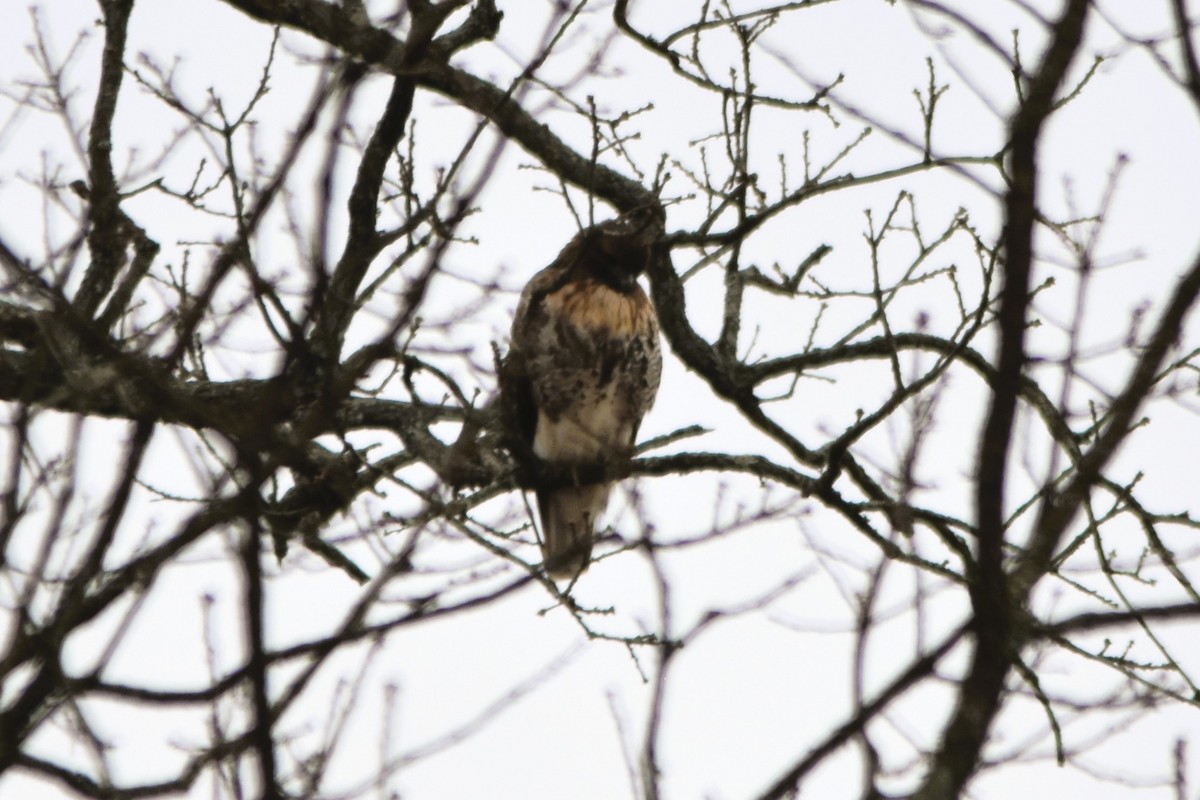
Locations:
{"points": [[618, 251]]}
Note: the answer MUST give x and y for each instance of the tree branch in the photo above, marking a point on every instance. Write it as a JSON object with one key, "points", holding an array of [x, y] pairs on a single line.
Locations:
{"points": [[104, 239], [992, 604]]}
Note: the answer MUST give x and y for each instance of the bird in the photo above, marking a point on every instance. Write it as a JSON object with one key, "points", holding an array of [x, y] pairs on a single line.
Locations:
{"points": [[583, 368]]}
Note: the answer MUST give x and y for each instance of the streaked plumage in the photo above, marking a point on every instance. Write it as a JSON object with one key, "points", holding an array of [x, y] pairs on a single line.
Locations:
{"points": [[582, 371]]}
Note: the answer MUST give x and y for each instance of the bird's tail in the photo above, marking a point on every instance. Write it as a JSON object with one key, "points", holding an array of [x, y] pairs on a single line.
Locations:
{"points": [[569, 517]]}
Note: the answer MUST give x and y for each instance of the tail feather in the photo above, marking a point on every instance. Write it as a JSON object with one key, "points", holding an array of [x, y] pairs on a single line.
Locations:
{"points": [[569, 516]]}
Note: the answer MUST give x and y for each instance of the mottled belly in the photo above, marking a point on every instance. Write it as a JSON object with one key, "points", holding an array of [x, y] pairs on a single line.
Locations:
{"points": [[583, 433]]}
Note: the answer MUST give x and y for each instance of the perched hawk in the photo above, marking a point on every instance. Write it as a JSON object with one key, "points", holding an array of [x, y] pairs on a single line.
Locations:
{"points": [[581, 373]]}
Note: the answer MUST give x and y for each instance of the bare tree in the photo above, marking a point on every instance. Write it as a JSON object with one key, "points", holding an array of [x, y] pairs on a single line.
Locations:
{"points": [[256, 294]]}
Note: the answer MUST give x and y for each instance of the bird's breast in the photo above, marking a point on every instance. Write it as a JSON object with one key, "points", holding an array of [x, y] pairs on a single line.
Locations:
{"points": [[592, 306]]}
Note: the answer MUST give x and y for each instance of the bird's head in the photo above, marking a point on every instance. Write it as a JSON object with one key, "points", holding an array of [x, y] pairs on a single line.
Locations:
{"points": [[618, 251]]}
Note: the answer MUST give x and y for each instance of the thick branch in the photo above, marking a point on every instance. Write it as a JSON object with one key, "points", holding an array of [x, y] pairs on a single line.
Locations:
{"points": [[979, 699], [361, 246], [363, 243], [104, 239]]}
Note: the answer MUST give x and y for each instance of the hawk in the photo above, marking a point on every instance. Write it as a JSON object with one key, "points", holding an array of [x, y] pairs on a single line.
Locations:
{"points": [[582, 370]]}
